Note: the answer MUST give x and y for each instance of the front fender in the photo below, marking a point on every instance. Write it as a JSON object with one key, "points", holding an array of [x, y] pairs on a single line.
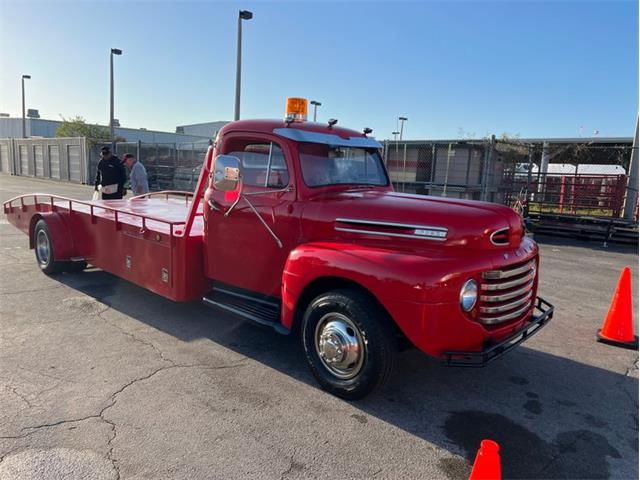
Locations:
{"points": [[388, 274]]}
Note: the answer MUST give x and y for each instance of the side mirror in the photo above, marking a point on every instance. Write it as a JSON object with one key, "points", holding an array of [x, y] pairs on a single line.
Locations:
{"points": [[226, 173]]}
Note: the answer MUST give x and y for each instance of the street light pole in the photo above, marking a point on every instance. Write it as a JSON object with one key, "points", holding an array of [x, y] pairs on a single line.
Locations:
{"points": [[315, 104], [24, 121], [114, 51], [402, 120], [242, 15]]}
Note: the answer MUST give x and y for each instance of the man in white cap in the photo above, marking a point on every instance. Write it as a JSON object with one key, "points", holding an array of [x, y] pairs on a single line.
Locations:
{"points": [[137, 175]]}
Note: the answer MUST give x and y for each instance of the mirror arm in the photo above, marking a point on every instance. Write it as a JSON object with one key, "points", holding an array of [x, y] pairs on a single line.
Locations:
{"points": [[233, 205], [213, 206], [288, 188], [275, 237]]}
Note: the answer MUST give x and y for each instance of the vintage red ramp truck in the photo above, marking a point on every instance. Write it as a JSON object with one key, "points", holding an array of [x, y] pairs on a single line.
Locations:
{"points": [[296, 225]]}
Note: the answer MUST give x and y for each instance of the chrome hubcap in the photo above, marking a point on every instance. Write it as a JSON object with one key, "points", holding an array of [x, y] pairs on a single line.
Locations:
{"points": [[340, 345], [43, 248]]}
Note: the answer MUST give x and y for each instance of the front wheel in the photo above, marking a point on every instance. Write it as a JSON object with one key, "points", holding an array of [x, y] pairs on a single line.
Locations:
{"points": [[349, 343]]}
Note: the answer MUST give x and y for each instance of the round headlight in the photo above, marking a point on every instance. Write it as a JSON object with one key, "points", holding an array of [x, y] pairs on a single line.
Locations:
{"points": [[468, 295]]}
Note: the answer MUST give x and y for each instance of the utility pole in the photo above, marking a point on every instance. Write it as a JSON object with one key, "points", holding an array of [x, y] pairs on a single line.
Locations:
{"points": [[402, 120], [24, 121], [315, 104], [242, 15], [114, 51]]}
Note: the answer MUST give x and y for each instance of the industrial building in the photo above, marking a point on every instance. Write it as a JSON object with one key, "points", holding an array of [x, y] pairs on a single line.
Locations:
{"points": [[11, 127]]}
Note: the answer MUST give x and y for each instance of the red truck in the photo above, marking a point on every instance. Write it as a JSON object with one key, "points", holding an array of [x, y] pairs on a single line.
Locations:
{"points": [[295, 225]]}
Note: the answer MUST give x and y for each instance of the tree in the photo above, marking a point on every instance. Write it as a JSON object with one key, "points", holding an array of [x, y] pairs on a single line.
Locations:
{"points": [[78, 127]]}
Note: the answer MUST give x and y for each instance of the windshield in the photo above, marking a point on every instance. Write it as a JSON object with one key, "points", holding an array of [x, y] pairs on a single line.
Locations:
{"points": [[329, 165]]}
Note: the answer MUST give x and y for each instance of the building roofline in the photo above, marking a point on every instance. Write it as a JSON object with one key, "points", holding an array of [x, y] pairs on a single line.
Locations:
{"points": [[119, 128]]}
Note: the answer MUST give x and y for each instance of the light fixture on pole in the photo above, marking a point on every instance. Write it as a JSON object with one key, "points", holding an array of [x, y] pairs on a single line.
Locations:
{"points": [[395, 136], [242, 15], [315, 104], [114, 51], [24, 122], [402, 120]]}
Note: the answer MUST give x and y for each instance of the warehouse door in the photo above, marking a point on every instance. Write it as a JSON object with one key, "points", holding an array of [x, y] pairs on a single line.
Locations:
{"points": [[54, 161], [24, 159], [4, 158], [38, 155], [73, 157]]}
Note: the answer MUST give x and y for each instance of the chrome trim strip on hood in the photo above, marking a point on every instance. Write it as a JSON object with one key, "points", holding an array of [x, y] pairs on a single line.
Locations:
{"points": [[440, 232]]}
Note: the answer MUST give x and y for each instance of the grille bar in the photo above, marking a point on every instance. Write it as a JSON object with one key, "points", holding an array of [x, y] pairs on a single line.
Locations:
{"points": [[507, 306], [507, 296], [500, 274], [512, 283], [508, 316]]}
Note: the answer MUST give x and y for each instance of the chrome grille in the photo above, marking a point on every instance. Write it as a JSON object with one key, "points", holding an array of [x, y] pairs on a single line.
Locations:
{"points": [[506, 294]]}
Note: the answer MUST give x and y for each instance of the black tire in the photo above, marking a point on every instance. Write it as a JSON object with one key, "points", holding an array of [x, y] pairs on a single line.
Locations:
{"points": [[43, 246], [326, 321]]}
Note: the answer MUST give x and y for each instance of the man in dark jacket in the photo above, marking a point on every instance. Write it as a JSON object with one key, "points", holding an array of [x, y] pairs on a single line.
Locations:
{"points": [[111, 175]]}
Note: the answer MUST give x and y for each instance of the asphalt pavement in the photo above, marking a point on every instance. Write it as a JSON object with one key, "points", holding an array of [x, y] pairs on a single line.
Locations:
{"points": [[102, 379]]}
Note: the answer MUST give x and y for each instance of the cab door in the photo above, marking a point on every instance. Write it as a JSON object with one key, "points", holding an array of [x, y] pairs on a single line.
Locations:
{"points": [[241, 251]]}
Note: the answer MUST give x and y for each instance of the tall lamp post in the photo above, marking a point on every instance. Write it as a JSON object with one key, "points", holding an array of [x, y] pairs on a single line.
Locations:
{"points": [[242, 15], [114, 51], [24, 121], [315, 104], [402, 120]]}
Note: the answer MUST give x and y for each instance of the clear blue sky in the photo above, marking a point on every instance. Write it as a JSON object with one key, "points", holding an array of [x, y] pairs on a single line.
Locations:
{"points": [[533, 69]]}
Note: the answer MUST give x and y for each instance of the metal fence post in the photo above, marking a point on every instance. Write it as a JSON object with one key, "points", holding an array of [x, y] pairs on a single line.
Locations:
{"points": [[404, 168], [632, 185]]}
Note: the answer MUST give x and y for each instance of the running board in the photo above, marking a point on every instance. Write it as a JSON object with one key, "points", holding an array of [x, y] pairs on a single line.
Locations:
{"points": [[257, 310]]}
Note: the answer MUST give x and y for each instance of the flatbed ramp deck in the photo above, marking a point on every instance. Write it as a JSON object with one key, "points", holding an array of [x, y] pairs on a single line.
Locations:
{"points": [[162, 212], [155, 241]]}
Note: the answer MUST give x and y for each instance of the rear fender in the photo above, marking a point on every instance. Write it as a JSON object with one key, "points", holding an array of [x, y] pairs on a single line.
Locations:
{"points": [[63, 244]]}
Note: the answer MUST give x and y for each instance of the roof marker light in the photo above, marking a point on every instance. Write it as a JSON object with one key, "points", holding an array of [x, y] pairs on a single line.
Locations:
{"points": [[296, 110]]}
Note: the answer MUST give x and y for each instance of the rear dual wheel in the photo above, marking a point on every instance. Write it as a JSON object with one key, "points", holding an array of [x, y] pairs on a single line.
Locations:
{"points": [[349, 343], [44, 253]]}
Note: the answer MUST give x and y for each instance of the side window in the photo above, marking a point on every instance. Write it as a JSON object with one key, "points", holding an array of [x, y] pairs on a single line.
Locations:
{"points": [[263, 164]]}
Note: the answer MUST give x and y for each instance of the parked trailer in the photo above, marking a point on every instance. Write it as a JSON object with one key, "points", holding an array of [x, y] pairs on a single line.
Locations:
{"points": [[295, 225]]}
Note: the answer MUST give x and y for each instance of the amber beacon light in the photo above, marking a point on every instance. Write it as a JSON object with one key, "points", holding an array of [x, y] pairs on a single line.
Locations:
{"points": [[296, 109]]}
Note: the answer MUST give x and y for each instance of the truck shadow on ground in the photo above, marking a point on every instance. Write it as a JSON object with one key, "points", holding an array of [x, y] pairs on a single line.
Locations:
{"points": [[553, 417]]}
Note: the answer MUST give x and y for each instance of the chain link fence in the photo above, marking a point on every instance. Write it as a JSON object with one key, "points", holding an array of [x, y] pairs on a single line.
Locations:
{"points": [[170, 166], [534, 178]]}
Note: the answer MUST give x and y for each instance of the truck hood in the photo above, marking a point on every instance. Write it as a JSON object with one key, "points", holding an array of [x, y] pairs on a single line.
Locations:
{"points": [[411, 220]]}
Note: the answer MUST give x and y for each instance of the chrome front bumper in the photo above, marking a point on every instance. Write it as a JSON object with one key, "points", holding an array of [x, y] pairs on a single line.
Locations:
{"points": [[544, 314]]}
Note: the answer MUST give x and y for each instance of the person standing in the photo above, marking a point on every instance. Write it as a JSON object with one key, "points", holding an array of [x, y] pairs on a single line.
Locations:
{"points": [[111, 175], [137, 175]]}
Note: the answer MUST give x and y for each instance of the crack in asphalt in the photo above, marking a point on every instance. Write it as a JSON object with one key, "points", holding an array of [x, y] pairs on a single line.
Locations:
{"points": [[112, 401], [134, 337], [292, 464], [6, 454], [21, 396]]}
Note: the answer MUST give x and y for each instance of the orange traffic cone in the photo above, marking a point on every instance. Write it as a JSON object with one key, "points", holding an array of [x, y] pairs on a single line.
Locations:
{"points": [[618, 326], [487, 463]]}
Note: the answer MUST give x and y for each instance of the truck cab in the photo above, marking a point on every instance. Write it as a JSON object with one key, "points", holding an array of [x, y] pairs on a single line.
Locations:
{"points": [[303, 228]]}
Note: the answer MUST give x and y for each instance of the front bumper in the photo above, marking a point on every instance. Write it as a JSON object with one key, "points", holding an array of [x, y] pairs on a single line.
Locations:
{"points": [[480, 359]]}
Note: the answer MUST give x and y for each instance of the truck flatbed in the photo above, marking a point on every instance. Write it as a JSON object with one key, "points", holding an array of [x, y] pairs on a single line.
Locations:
{"points": [[143, 239]]}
